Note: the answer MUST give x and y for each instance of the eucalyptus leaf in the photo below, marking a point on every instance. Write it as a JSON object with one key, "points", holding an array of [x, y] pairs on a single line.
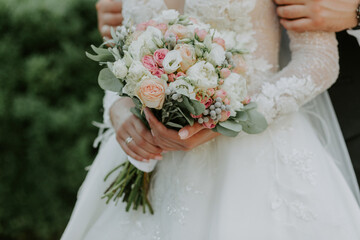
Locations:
{"points": [[232, 125], [198, 106], [175, 125], [186, 103], [187, 116], [250, 106], [225, 131], [102, 55], [241, 116], [108, 81], [255, 124]]}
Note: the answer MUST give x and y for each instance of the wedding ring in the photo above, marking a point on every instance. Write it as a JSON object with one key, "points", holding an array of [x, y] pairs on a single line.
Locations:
{"points": [[128, 140]]}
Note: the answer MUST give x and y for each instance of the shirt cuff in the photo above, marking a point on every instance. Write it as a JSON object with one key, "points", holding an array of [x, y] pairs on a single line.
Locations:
{"points": [[355, 33]]}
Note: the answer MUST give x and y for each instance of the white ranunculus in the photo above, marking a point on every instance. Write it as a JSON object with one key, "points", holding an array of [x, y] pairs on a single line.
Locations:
{"points": [[216, 55], [136, 72], [235, 86], [119, 69], [172, 61], [144, 42], [203, 75], [183, 87], [168, 16]]}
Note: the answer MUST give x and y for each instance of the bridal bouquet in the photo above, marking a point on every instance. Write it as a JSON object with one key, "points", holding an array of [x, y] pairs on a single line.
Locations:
{"points": [[182, 70]]}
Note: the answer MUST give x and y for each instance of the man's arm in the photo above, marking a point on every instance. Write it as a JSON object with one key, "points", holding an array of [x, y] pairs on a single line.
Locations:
{"points": [[318, 15]]}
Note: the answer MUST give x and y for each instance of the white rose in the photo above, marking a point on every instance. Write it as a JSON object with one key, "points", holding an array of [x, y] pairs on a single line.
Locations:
{"points": [[136, 72], [183, 87], [203, 75], [119, 69], [172, 61], [216, 55], [168, 16], [144, 43], [235, 86]]}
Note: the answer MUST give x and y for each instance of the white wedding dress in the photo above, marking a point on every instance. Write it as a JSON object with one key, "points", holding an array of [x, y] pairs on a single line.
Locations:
{"points": [[282, 184]]}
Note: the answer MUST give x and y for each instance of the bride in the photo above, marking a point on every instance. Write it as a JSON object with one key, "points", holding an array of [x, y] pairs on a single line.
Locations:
{"points": [[285, 183]]}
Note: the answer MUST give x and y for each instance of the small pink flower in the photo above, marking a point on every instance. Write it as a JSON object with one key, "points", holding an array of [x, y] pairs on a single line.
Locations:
{"points": [[162, 27], [210, 91], [158, 72], [210, 124], [194, 20], [220, 41], [207, 101], [221, 81], [151, 23], [225, 72], [171, 77], [224, 116], [149, 62], [246, 101], [227, 101], [159, 56], [141, 27], [201, 34], [180, 74], [221, 94], [196, 116], [240, 64]]}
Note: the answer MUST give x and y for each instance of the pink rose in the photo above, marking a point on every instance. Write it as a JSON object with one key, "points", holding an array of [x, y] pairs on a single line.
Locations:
{"points": [[149, 62], [179, 31], [220, 41], [162, 27], [210, 124], [210, 91], [171, 77], [151, 23], [240, 64], [187, 53], [196, 116], [180, 74], [201, 34], [151, 92], [158, 72], [207, 101], [246, 101], [221, 94], [224, 116], [225, 72], [159, 56]]}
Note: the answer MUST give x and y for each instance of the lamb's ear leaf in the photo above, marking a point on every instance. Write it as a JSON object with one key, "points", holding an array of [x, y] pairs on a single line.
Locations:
{"points": [[108, 81]]}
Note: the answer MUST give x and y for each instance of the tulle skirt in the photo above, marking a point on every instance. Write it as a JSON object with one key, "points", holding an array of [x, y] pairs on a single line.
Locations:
{"points": [[281, 184]]}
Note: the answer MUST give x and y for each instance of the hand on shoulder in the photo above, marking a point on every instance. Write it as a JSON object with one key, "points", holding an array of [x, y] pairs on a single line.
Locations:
{"points": [[317, 15]]}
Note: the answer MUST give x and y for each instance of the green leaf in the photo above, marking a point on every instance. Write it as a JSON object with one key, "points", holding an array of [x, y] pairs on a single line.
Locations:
{"points": [[102, 55], [241, 116], [225, 131], [188, 105], [255, 124], [187, 116], [232, 125], [175, 125], [198, 106], [250, 106], [108, 81]]}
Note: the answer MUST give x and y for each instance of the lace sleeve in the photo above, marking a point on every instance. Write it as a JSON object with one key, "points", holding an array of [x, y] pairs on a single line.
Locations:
{"points": [[313, 69]]}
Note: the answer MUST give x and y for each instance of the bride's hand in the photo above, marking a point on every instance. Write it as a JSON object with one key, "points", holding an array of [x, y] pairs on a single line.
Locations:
{"points": [[184, 140], [127, 126], [109, 15]]}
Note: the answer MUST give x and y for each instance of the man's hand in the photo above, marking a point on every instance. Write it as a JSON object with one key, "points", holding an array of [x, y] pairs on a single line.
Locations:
{"points": [[109, 15], [317, 15]]}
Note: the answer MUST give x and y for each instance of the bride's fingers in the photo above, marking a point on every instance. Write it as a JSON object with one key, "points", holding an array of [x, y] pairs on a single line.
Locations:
{"points": [[292, 11], [109, 6], [287, 2], [145, 134], [299, 25], [112, 19], [146, 148], [189, 131], [128, 151]]}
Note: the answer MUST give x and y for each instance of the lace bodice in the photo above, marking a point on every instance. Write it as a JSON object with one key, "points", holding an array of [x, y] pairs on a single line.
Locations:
{"points": [[314, 64]]}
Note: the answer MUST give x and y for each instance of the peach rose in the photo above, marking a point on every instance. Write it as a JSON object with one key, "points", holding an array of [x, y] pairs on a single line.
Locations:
{"points": [[162, 27], [179, 31], [187, 53], [149, 63], [151, 92], [225, 72], [171, 77], [224, 116], [221, 94], [220, 41], [201, 34], [159, 56], [180, 74], [210, 124], [240, 64]]}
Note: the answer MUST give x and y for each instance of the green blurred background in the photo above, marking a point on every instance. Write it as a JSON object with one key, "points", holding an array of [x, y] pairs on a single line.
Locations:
{"points": [[48, 99]]}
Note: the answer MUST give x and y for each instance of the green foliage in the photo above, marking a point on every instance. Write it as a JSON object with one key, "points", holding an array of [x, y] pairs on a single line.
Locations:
{"points": [[48, 98]]}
